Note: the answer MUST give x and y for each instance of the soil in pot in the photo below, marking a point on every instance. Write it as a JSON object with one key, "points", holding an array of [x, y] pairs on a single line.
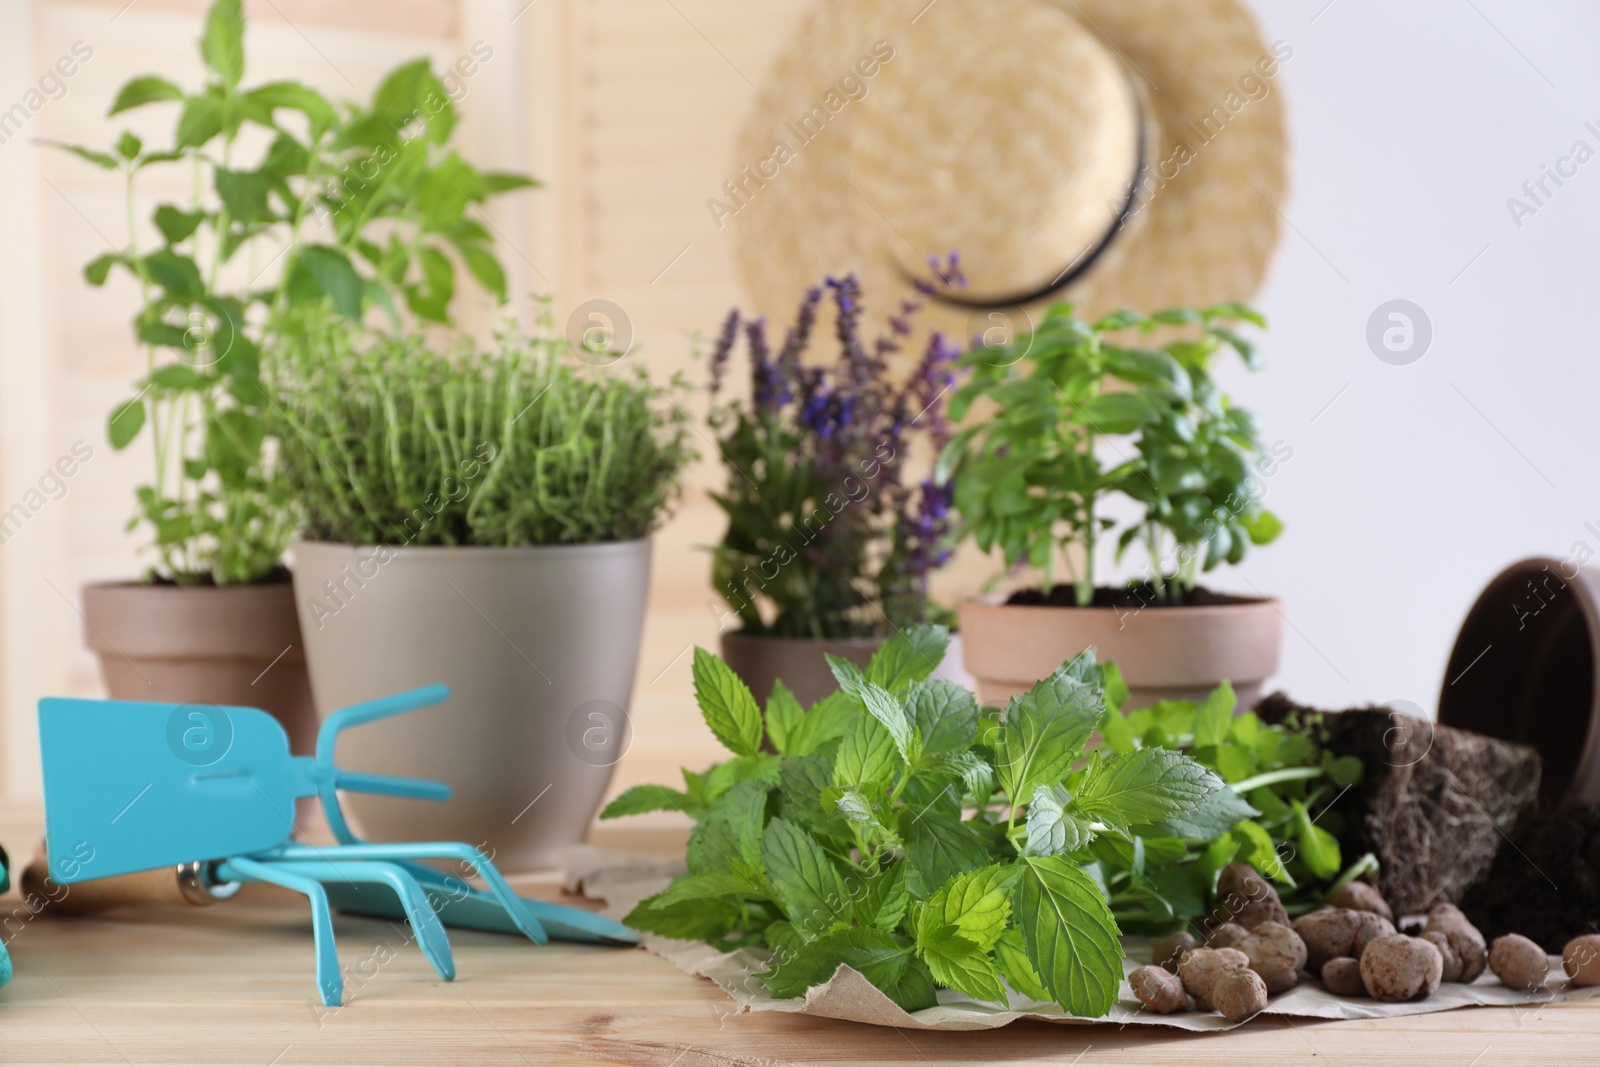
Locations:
{"points": [[1138, 595]]}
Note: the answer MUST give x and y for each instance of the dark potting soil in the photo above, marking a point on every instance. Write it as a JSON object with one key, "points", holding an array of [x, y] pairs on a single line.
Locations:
{"points": [[278, 575], [1434, 803], [1139, 595], [1547, 887]]}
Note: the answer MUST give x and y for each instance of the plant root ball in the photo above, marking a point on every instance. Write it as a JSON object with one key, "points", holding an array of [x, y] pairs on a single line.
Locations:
{"points": [[1276, 953], [1170, 950], [1328, 934], [1239, 994], [1465, 940], [1359, 896], [1246, 898], [1342, 977], [1581, 960], [1399, 967], [1201, 968], [1369, 927], [1452, 962], [1158, 989], [1226, 936], [1518, 962]]}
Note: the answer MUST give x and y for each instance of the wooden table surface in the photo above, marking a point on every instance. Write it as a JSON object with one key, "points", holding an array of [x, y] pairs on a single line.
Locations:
{"points": [[233, 984]]}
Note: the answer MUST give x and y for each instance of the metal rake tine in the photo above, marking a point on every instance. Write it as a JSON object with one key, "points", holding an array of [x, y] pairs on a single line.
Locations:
{"points": [[430, 933], [330, 983], [520, 915], [450, 894]]}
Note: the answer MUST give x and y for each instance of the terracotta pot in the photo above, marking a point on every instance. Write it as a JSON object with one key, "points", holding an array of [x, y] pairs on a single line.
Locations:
{"points": [[236, 645], [799, 661], [1526, 668], [1176, 653], [538, 645]]}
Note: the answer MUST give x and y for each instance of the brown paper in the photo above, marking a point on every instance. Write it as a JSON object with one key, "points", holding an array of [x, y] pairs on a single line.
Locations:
{"points": [[622, 879]]}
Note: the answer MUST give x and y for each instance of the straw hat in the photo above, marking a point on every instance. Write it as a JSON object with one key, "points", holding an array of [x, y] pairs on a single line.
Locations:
{"points": [[1116, 153]]}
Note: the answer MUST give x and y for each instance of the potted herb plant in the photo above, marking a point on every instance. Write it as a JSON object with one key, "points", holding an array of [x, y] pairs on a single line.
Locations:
{"points": [[348, 208], [479, 518], [830, 539], [1079, 418]]}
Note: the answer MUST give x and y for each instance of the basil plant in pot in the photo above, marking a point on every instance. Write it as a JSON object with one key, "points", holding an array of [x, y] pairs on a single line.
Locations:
{"points": [[478, 517], [270, 244], [831, 539], [1079, 418]]}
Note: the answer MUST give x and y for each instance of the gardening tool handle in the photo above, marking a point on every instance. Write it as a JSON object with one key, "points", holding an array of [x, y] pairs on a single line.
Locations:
{"points": [[160, 886]]}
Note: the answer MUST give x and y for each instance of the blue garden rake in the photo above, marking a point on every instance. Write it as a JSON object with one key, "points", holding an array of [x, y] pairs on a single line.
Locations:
{"points": [[210, 790]]}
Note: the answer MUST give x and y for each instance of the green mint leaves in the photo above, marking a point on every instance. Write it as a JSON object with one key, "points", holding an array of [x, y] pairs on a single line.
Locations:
{"points": [[899, 829]]}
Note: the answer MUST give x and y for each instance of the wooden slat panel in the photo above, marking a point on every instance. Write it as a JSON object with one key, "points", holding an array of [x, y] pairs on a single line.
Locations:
{"points": [[437, 18]]}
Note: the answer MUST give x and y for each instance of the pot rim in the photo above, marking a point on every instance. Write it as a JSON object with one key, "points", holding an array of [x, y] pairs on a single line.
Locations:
{"points": [[169, 588], [998, 600], [761, 639], [592, 548], [1585, 586]]}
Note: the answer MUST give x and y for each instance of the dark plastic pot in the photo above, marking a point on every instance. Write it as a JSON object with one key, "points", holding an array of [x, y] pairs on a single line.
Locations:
{"points": [[1526, 666]]}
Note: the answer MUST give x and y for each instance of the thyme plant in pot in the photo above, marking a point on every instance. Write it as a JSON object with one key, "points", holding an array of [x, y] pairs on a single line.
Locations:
{"points": [[480, 518], [1078, 418], [831, 539], [264, 250]]}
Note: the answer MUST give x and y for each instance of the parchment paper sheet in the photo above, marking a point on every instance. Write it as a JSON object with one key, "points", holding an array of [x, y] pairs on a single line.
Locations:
{"points": [[622, 879]]}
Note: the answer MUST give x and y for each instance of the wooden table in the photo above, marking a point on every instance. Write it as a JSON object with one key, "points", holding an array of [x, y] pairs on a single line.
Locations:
{"points": [[232, 984]]}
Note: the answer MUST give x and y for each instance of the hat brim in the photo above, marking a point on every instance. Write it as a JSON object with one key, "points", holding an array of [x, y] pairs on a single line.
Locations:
{"points": [[1201, 229]]}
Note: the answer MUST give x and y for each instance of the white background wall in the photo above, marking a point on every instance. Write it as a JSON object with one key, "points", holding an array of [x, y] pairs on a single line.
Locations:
{"points": [[1412, 123]]}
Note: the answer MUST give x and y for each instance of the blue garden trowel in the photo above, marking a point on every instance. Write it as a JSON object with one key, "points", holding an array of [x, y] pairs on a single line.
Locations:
{"points": [[201, 797]]}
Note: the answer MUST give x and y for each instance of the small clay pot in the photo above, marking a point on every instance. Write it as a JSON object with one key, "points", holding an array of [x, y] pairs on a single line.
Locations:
{"points": [[1526, 668], [799, 661], [232, 645], [1165, 653]]}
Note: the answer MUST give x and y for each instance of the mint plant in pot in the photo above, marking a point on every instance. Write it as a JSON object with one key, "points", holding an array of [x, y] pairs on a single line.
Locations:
{"points": [[1079, 418], [831, 538], [479, 517], [268, 246]]}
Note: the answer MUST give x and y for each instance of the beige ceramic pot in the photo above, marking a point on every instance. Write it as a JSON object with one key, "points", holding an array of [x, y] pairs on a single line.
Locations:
{"points": [[800, 661], [1168, 653], [235, 645], [538, 645]]}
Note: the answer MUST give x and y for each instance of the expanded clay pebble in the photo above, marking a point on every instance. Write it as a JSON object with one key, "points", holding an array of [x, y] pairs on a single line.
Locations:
{"points": [[1328, 933], [1400, 967], [1172, 948], [1518, 962], [1342, 977], [1452, 962], [1246, 898], [1201, 968], [1226, 936], [1359, 896], [1581, 960], [1239, 994], [1369, 927], [1465, 940], [1276, 954], [1158, 989]]}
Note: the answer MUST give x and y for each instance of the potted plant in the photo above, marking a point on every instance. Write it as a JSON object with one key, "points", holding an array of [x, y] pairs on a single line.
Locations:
{"points": [[830, 539], [1034, 480], [479, 518], [267, 249]]}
